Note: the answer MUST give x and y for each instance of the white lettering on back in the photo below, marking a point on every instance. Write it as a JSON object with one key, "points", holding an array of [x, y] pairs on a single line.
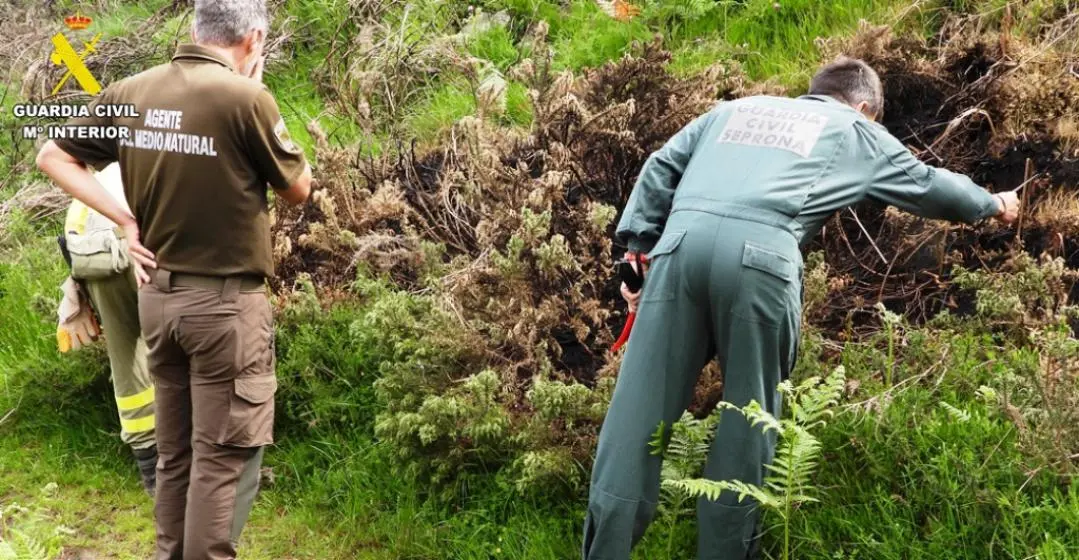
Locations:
{"points": [[793, 131]]}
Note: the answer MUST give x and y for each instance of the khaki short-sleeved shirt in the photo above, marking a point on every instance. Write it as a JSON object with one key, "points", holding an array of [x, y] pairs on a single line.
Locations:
{"points": [[206, 143]]}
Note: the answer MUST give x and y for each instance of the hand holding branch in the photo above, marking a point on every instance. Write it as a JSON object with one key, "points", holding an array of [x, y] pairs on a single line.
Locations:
{"points": [[1007, 206]]}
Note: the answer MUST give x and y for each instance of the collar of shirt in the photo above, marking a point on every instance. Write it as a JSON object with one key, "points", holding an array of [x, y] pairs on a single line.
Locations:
{"points": [[824, 98], [833, 101], [199, 52]]}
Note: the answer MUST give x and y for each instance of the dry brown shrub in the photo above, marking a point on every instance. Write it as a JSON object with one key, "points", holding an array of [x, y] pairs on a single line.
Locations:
{"points": [[1058, 212], [524, 219], [513, 229]]}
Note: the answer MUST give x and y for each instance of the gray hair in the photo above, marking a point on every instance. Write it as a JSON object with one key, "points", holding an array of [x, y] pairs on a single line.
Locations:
{"points": [[226, 22], [851, 81]]}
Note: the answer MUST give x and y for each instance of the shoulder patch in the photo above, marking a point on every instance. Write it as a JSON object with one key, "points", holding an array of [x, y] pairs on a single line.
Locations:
{"points": [[284, 139]]}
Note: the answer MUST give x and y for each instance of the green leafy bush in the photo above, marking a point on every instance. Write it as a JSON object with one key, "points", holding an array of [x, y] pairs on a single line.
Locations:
{"points": [[1022, 293]]}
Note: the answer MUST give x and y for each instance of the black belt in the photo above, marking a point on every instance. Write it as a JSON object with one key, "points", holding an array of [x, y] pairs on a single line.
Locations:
{"points": [[165, 280]]}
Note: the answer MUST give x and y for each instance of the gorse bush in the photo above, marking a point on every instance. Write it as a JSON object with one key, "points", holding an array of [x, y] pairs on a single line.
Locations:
{"points": [[392, 365], [1039, 393], [1027, 301]]}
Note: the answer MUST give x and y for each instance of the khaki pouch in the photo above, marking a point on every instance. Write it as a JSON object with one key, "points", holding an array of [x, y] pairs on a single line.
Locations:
{"points": [[97, 255]]}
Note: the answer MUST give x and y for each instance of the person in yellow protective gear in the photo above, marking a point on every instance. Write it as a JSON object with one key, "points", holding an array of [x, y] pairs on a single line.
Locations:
{"points": [[102, 279]]}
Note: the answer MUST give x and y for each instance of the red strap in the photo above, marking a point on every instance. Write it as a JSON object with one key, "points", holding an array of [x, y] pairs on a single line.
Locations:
{"points": [[622, 338], [625, 333]]}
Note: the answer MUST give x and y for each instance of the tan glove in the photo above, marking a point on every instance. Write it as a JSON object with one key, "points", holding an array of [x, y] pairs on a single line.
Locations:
{"points": [[78, 326]]}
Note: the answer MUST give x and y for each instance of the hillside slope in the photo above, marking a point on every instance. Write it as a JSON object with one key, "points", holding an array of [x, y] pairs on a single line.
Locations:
{"points": [[445, 302]]}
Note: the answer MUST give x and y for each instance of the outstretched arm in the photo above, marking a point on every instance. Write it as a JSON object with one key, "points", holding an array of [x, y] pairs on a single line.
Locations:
{"points": [[901, 180]]}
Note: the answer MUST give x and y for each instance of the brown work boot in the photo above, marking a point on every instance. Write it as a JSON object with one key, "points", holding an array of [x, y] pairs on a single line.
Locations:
{"points": [[147, 460]]}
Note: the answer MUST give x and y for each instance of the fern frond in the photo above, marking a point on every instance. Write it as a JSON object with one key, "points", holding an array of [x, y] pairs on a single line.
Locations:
{"points": [[712, 489], [688, 444], [27, 547], [757, 416], [788, 481], [697, 487], [657, 441], [957, 414], [816, 398]]}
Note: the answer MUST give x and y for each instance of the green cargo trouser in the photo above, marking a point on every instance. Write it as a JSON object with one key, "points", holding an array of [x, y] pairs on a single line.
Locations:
{"points": [[717, 285], [116, 300]]}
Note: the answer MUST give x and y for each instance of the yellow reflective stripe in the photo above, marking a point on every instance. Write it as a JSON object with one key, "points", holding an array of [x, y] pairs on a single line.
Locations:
{"points": [[136, 401], [144, 424], [77, 214]]}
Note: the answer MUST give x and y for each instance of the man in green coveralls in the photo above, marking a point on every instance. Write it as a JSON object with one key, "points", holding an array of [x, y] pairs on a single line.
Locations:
{"points": [[721, 212]]}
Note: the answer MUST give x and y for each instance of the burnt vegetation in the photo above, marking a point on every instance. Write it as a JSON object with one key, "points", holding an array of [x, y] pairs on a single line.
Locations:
{"points": [[1002, 112], [514, 228]]}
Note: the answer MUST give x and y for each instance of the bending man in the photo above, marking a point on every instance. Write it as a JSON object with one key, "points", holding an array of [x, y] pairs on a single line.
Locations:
{"points": [[721, 210]]}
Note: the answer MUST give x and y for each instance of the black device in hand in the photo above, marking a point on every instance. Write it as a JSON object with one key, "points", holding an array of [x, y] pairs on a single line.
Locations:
{"points": [[631, 277]]}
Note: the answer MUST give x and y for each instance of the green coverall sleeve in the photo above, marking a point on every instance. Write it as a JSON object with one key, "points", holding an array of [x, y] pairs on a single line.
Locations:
{"points": [[901, 180], [650, 202]]}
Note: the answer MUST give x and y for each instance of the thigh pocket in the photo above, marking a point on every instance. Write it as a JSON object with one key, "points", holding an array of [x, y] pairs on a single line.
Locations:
{"points": [[251, 411], [767, 284], [661, 278]]}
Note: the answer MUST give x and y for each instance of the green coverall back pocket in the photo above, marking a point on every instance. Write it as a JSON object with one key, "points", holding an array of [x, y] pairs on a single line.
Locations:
{"points": [[661, 278], [767, 279]]}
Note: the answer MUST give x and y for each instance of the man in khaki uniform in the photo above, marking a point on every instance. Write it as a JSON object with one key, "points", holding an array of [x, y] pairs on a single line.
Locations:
{"points": [[94, 252], [207, 140]]}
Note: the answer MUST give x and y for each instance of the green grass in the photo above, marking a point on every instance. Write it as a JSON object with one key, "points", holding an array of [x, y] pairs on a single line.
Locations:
{"points": [[779, 42], [121, 17], [518, 105], [32, 371], [440, 108], [907, 476], [311, 26], [495, 45], [349, 509], [770, 43], [99, 498]]}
